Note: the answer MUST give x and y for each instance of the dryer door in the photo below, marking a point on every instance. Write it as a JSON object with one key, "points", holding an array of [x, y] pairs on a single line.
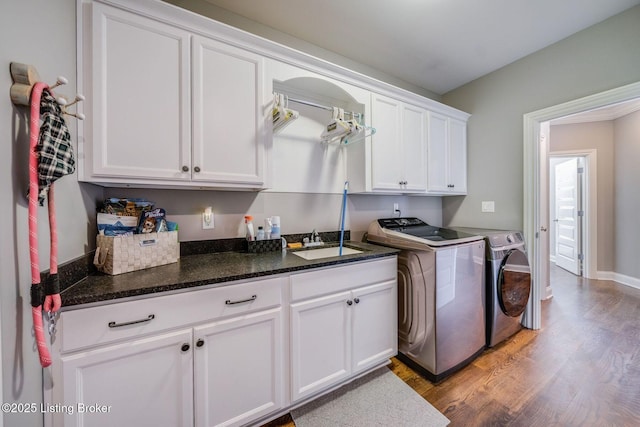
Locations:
{"points": [[416, 297], [514, 283]]}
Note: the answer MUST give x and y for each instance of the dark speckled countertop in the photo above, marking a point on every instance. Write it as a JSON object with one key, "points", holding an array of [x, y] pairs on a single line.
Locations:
{"points": [[204, 269]]}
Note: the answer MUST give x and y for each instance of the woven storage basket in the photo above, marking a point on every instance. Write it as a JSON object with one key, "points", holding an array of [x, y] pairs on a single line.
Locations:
{"points": [[122, 254]]}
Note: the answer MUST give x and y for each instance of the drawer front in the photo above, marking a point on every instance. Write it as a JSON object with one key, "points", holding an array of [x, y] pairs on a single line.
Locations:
{"points": [[335, 279], [112, 322]]}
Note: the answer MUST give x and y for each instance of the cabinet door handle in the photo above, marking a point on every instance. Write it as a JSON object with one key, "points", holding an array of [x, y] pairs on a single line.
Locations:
{"points": [[185, 169], [229, 302], [185, 347], [349, 302], [196, 169], [356, 300], [200, 343], [117, 325]]}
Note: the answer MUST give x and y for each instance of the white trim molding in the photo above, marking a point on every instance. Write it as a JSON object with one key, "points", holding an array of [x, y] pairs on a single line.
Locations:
{"points": [[531, 179], [632, 282]]}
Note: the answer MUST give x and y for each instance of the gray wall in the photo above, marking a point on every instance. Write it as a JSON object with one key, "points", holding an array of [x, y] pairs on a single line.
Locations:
{"points": [[627, 195], [598, 136], [41, 33], [599, 58]]}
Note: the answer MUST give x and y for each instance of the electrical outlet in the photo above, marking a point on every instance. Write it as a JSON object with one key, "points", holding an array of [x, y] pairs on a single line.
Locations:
{"points": [[489, 206], [396, 209], [207, 219]]}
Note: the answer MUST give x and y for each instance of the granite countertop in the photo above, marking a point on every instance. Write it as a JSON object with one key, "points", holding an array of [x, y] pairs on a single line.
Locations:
{"points": [[204, 269]]}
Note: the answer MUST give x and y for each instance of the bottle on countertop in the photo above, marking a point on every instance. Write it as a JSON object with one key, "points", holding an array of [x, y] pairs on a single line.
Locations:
{"points": [[248, 221], [260, 234], [267, 228], [275, 227]]}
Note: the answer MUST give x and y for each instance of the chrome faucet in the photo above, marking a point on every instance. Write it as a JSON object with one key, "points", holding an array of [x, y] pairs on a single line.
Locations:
{"points": [[313, 239]]}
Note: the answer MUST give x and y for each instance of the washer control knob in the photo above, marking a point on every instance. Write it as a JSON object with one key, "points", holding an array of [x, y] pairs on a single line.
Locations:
{"points": [[509, 238]]}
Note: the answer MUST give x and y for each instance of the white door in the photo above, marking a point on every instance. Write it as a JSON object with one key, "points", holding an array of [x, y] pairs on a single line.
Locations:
{"points": [[141, 122], [414, 148], [238, 369], [375, 330], [146, 382], [457, 159], [228, 140], [386, 169], [567, 216], [437, 153], [320, 343]]}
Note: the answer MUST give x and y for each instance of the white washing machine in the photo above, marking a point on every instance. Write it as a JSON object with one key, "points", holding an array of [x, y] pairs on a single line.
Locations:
{"points": [[441, 273], [508, 282]]}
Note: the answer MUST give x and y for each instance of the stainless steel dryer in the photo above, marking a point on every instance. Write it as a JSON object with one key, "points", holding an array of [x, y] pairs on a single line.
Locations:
{"points": [[508, 282], [441, 275]]}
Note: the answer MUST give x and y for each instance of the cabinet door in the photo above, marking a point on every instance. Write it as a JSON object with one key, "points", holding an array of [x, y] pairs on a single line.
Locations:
{"points": [[386, 157], [228, 140], [238, 369], [458, 156], [320, 343], [437, 179], [140, 120], [375, 330], [414, 148], [144, 382]]}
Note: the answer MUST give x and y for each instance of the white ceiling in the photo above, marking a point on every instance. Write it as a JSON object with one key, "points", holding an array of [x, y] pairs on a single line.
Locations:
{"points": [[438, 45]]}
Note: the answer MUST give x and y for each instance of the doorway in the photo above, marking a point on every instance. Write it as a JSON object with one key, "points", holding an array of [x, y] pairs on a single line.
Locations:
{"points": [[535, 198], [566, 210]]}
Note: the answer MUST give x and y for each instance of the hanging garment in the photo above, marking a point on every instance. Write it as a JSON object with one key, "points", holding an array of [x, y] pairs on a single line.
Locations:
{"points": [[55, 152]]}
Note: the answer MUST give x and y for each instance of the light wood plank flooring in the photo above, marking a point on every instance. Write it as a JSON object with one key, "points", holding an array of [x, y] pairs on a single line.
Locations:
{"points": [[581, 369]]}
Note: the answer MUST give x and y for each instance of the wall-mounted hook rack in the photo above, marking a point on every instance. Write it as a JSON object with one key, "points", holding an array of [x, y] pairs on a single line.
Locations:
{"points": [[25, 76]]}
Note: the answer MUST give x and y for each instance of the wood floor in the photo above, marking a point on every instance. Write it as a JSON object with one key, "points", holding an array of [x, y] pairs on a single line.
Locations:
{"points": [[581, 369]]}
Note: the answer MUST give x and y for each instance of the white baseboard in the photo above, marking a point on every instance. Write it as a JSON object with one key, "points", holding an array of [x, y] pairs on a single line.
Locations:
{"points": [[619, 278]]}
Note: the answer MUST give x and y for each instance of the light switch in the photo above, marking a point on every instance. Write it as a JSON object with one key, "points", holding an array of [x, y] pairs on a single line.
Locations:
{"points": [[489, 206]]}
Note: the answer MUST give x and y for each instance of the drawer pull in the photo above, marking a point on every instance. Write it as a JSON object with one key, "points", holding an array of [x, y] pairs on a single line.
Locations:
{"points": [[117, 325], [229, 302]]}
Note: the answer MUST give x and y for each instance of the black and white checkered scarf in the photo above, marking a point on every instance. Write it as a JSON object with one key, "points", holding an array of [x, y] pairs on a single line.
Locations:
{"points": [[54, 149]]}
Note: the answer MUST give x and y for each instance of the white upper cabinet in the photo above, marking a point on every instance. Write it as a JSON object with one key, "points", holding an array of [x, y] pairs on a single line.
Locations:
{"points": [[397, 150], [447, 155], [386, 145], [414, 147], [227, 123], [139, 104], [175, 99], [141, 76]]}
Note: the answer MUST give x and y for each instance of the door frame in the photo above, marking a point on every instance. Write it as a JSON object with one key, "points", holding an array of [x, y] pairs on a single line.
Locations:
{"points": [[533, 217]]}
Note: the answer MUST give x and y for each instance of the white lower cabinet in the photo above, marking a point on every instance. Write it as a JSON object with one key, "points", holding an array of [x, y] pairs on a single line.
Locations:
{"points": [[320, 343], [337, 335], [238, 369], [147, 381], [212, 357], [217, 356]]}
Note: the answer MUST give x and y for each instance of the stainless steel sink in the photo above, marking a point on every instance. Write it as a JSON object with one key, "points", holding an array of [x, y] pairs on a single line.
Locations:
{"points": [[312, 254]]}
